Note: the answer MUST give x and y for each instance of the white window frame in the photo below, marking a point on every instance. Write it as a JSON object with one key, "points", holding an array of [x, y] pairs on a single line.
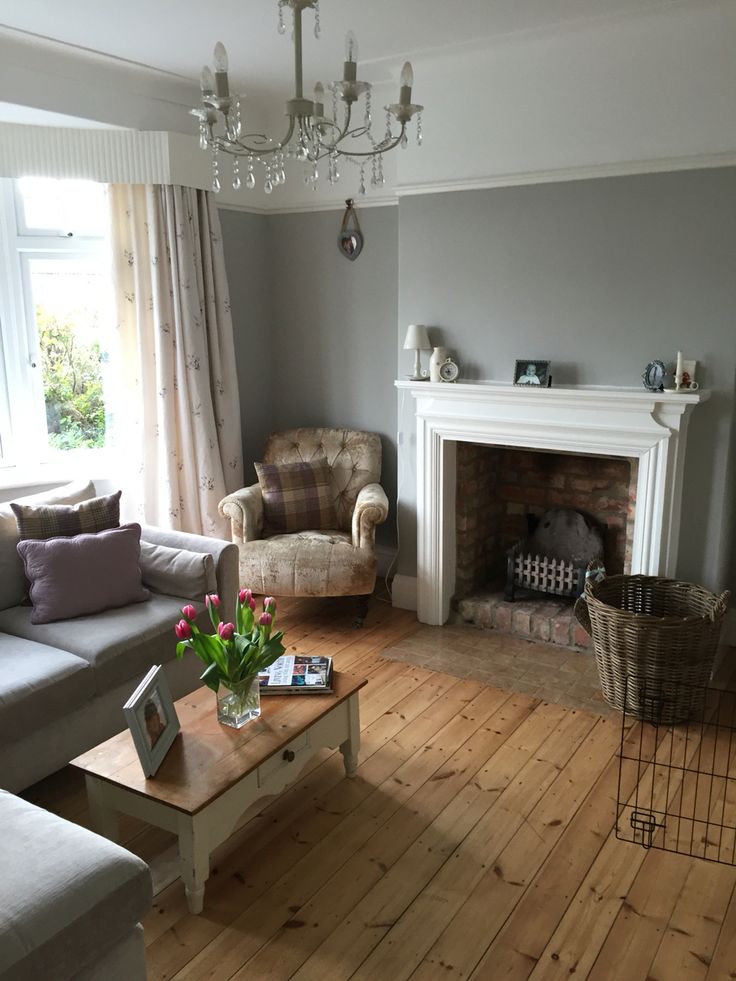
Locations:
{"points": [[24, 456]]}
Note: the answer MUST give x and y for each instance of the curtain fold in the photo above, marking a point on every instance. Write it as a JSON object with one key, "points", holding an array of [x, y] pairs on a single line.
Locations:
{"points": [[176, 411]]}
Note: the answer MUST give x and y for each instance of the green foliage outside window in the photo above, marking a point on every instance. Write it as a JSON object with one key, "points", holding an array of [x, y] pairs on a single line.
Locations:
{"points": [[72, 380]]}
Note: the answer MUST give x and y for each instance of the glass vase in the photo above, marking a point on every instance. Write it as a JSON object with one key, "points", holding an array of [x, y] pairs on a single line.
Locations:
{"points": [[239, 703]]}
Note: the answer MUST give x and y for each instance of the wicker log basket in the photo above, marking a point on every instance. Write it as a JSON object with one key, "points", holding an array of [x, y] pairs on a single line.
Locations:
{"points": [[652, 635]]}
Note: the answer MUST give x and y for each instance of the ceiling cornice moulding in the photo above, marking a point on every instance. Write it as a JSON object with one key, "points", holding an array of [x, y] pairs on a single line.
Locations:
{"points": [[624, 168], [301, 209]]}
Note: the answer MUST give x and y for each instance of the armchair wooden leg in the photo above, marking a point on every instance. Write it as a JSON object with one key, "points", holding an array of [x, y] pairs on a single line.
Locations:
{"points": [[361, 611]]}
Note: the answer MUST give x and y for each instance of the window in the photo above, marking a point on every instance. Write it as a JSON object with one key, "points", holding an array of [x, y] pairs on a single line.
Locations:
{"points": [[56, 336]]}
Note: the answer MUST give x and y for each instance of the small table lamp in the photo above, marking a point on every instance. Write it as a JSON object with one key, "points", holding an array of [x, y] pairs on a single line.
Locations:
{"points": [[417, 340]]}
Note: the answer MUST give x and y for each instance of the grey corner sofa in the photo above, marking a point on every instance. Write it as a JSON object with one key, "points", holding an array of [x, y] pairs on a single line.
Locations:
{"points": [[71, 902], [63, 684]]}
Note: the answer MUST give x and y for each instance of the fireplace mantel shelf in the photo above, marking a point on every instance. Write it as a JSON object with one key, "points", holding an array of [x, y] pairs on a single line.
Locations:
{"points": [[594, 420], [580, 395]]}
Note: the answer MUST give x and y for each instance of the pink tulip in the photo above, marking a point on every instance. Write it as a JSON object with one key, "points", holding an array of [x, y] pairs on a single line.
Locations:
{"points": [[189, 612], [251, 602], [226, 630], [212, 599], [265, 620], [269, 605], [182, 630], [244, 595]]}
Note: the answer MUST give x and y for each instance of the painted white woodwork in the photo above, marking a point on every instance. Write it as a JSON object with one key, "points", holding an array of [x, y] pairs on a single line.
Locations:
{"points": [[651, 426], [201, 833]]}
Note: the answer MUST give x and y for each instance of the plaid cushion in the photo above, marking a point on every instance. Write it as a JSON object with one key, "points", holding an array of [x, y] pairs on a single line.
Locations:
{"points": [[297, 496], [44, 521]]}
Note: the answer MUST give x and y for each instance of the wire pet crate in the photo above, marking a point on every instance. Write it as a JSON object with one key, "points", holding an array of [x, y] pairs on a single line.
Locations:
{"points": [[677, 782]]}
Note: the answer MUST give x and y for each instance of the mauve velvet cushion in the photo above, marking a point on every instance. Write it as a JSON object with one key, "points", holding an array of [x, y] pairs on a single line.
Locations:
{"points": [[73, 577]]}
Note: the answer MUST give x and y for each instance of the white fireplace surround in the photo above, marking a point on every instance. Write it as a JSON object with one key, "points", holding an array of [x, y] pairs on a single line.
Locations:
{"points": [[651, 426]]}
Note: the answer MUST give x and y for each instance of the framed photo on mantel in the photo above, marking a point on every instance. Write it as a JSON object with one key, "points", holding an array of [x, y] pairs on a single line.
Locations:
{"points": [[532, 373]]}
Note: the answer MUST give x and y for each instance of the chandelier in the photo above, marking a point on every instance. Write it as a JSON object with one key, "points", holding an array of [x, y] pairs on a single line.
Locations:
{"points": [[313, 135]]}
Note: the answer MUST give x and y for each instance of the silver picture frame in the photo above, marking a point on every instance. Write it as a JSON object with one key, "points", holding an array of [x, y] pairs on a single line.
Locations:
{"points": [[152, 719]]}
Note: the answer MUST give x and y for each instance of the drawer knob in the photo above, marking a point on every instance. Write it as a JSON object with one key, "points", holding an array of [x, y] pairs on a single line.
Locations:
{"points": [[289, 755]]}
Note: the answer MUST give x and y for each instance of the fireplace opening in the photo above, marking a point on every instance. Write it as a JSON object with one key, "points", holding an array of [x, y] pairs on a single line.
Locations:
{"points": [[501, 495]]}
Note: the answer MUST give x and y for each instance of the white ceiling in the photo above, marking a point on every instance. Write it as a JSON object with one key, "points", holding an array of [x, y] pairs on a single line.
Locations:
{"points": [[177, 36]]}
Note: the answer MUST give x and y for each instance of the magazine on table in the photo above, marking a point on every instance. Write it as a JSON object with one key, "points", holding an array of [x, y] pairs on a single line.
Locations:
{"points": [[297, 674]]}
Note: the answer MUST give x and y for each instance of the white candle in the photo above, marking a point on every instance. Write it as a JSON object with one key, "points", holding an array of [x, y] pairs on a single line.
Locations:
{"points": [[678, 370]]}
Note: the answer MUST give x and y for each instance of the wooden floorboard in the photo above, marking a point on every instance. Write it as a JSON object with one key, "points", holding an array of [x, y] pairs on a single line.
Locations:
{"points": [[477, 841]]}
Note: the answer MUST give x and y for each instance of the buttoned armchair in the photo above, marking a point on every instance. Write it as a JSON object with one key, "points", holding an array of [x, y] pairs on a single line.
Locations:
{"points": [[337, 561]]}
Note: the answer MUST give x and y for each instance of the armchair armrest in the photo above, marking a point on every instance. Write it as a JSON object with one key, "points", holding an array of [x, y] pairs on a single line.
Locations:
{"points": [[371, 509], [225, 556], [245, 510]]}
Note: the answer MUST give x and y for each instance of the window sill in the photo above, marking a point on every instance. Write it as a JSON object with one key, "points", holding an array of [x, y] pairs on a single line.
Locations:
{"points": [[26, 479]]}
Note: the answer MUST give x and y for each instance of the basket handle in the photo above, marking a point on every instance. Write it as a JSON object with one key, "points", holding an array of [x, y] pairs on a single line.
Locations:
{"points": [[595, 572], [721, 604], [582, 614]]}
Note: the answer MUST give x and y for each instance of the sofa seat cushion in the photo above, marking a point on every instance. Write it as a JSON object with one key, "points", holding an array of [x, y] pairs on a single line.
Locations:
{"points": [[38, 685], [120, 645], [308, 563], [66, 894]]}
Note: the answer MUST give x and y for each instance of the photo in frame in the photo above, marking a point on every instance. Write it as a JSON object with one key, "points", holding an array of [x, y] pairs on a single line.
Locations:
{"points": [[532, 373], [152, 719]]}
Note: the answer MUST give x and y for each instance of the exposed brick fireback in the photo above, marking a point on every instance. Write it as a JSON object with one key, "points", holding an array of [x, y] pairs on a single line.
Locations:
{"points": [[498, 487]]}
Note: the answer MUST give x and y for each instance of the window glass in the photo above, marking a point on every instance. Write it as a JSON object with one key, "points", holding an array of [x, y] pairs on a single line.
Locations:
{"points": [[61, 207], [71, 304]]}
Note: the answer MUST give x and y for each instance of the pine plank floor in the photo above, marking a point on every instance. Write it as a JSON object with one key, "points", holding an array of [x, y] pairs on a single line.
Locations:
{"points": [[475, 842]]}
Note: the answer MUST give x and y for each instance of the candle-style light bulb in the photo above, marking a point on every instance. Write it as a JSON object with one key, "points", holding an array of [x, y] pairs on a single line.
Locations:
{"points": [[207, 81], [220, 57], [222, 86], [319, 100], [350, 65], [407, 80], [351, 46]]}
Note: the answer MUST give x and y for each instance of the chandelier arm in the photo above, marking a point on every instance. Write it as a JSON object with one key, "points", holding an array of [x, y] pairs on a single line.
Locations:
{"points": [[239, 148], [342, 133], [379, 148]]}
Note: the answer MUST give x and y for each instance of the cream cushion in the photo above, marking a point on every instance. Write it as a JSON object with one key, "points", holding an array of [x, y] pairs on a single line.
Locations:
{"points": [[308, 563]]}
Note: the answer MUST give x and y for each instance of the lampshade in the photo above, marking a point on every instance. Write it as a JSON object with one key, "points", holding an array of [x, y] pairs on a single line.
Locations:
{"points": [[417, 338]]}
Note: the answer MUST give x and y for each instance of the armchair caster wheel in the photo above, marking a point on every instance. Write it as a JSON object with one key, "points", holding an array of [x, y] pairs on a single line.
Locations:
{"points": [[361, 611]]}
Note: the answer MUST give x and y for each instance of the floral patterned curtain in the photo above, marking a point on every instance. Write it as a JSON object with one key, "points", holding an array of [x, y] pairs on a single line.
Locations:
{"points": [[176, 425]]}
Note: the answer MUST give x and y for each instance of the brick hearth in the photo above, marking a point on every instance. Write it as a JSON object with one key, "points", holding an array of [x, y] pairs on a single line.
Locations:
{"points": [[549, 620]]}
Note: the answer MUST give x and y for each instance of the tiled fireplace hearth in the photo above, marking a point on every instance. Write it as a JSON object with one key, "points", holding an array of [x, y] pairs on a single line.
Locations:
{"points": [[648, 429]]}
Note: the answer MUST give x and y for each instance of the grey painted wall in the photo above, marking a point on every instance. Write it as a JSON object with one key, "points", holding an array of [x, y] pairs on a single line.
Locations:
{"points": [[248, 271], [600, 277], [315, 333]]}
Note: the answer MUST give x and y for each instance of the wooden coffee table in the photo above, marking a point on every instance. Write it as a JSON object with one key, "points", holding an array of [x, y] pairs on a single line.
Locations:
{"points": [[212, 774]]}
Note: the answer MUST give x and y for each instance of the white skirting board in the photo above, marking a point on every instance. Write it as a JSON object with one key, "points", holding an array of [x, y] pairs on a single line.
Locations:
{"points": [[404, 592]]}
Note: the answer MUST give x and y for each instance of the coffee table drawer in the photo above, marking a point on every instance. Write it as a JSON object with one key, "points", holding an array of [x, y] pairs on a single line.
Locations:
{"points": [[287, 759]]}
